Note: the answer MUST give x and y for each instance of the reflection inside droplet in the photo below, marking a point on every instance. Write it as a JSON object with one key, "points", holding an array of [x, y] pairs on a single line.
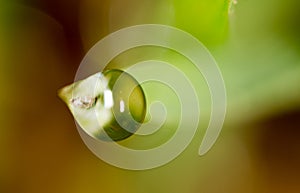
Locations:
{"points": [[108, 99], [83, 102]]}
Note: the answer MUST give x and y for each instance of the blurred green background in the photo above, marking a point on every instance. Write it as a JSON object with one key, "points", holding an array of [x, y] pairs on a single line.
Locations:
{"points": [[256, 44]]}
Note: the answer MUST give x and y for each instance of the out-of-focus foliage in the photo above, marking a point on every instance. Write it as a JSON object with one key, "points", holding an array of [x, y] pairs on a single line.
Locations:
{"points": [[256, 46]]}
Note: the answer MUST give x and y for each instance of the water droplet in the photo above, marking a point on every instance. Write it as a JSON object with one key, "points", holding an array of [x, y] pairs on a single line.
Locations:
{"points": [[108, 107]]}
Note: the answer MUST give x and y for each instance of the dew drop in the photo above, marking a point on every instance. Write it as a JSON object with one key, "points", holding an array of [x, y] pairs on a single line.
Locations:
{"points": [[109, 106]]}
